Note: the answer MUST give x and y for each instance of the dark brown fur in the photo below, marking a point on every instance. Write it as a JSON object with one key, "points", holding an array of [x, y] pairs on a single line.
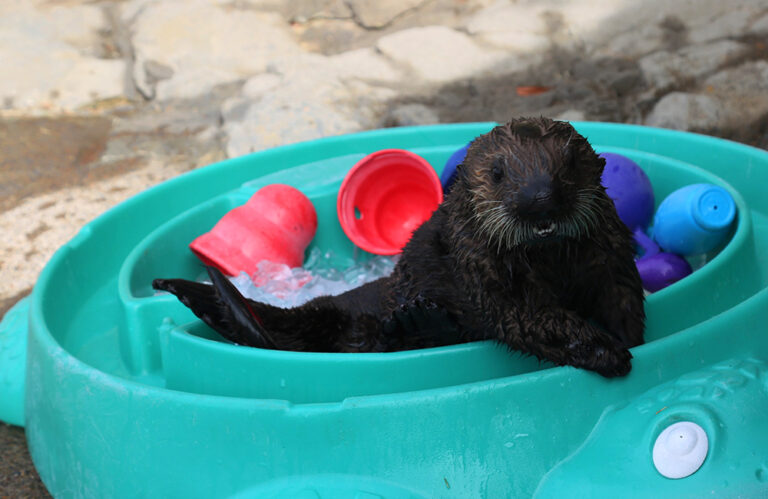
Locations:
{"points": [[527, 250]]}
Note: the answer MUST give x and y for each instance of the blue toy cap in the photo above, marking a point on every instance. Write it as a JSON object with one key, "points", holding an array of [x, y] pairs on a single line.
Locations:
{"points": [[715, 208]]}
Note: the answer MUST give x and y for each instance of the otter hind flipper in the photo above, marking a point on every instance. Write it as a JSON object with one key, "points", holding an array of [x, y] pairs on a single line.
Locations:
{"points": [[222, 307]]}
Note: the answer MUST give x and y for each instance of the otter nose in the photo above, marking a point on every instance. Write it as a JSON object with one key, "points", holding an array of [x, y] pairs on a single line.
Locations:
{"points": [[536, 200]]}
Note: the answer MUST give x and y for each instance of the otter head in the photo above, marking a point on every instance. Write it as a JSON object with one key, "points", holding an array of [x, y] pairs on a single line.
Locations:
{"points": [[534, 180]]}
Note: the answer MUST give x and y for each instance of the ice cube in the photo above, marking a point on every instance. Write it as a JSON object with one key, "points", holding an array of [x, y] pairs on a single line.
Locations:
{"points": [[282, 286]]}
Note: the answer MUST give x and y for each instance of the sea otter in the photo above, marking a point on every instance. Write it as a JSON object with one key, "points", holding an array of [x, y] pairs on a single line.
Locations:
{"points": [[526, 249]]}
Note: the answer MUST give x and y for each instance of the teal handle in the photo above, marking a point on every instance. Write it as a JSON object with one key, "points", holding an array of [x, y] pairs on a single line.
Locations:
{"points": [[13, 360]]}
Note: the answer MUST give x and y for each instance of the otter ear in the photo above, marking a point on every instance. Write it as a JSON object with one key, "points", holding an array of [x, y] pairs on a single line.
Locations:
{"points": [[600, 162]]}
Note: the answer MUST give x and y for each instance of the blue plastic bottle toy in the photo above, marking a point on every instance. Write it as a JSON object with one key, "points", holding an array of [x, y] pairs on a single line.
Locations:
{"points": [[694, 219]]}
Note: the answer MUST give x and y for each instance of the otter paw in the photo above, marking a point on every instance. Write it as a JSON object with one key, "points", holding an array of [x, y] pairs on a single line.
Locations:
{"points": [[612, 363]]}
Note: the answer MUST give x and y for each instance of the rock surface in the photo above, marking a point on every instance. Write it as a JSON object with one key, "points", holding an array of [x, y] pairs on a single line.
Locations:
{"points": [[53, 57], [437, 54], [666, 70], [183, 48], [273, 110], [685, 111]]}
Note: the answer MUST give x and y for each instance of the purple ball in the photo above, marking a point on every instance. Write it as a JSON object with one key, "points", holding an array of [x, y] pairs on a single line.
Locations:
{"points": [[629, 187]]}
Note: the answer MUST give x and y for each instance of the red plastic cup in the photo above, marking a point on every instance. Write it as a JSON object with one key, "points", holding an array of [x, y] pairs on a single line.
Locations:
{"points": [[385, 197], [276, 224]]}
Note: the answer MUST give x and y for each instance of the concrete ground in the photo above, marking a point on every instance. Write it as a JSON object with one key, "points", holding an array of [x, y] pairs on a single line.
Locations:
{"points": [[103, 99]]}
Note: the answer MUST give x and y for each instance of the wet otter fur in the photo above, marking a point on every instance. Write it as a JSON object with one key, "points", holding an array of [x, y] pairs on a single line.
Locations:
{"points": [[527, 249]]}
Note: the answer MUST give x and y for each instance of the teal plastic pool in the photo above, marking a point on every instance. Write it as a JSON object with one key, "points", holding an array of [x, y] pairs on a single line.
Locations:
{"points": [[126, 394]]}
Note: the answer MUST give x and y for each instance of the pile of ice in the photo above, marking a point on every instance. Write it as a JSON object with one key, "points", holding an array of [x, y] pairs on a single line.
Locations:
{"points": [[283, 286]]}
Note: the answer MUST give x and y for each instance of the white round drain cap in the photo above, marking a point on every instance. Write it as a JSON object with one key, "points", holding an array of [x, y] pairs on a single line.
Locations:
{"points": [[680, 450]]}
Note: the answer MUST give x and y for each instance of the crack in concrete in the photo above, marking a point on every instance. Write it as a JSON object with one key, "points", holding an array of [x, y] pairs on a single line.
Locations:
{"points": [[359, 21], [121, 36]]}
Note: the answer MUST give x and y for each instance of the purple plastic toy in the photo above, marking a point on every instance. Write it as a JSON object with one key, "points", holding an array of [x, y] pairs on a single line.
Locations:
{"points": [[657, 269], [629, 187]]}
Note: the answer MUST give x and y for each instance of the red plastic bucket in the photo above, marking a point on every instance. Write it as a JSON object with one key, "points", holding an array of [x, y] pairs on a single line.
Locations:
{"points": [[276, 224], [385, 197]]}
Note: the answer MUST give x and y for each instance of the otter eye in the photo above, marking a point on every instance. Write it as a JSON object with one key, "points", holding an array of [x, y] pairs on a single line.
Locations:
{"points": [[498, 169]]}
